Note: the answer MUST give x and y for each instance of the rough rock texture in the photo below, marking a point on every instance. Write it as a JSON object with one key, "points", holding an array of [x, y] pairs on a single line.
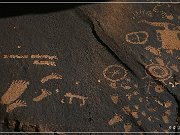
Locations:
{"points": [[92, 68]]}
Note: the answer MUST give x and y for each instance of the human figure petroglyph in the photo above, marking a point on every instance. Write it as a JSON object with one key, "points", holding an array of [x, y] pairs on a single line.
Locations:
{"points": [[71, 96], [43, 95], [168, 36], [16, 89], [16, 104], [139, 37], [50, 77]]}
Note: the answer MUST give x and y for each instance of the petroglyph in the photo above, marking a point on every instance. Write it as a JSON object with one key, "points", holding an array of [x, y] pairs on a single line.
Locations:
{"points": [[174, 84], [160, 61], [153, 50], [71, 96], [139, 37], [150, 107], [16, 89], [50, 77], [134, 114], [116, 119], [127, 127], [174, 67], [142, 13], [166, 116], [43, 95], [114, 73], [115, 98], [126, 110], [159, 88], [16, 104], [44, 62], [158, 72], [38, 56], [168, 104], [15, 56], [168, 36]]}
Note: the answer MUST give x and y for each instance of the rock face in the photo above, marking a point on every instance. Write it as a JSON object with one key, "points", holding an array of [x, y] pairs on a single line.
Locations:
{"points": [[91, 68]]}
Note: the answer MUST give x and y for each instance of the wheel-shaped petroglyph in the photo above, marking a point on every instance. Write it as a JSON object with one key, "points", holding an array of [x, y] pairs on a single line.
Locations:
{"points": [[139, 37], [114, 73], [158, 72]]}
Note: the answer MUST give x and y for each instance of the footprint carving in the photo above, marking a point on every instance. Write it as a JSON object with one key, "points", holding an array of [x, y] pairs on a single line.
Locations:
{"points": [[16, 89], [16, 104], [43, 95]]}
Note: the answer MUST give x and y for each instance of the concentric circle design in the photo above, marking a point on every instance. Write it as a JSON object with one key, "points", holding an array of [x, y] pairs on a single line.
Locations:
{"points": [[158, 72]]}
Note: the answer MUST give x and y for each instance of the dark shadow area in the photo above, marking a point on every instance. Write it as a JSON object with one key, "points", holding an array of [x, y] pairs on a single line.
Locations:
{"points": [[8, 10]]}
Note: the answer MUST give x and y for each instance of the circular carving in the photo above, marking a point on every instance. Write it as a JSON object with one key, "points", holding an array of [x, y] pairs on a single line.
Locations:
{"points": [[115, 73], [158, 71]]}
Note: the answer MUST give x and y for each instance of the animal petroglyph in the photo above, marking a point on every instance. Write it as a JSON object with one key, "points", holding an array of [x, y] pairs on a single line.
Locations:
{"points": [[50, 77], [153, 50], [71, 96], [114, 73], [44, 62], [168, 36], [116, 119], [16, 104], [139, 37], [16, 89], [43, 95]]}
